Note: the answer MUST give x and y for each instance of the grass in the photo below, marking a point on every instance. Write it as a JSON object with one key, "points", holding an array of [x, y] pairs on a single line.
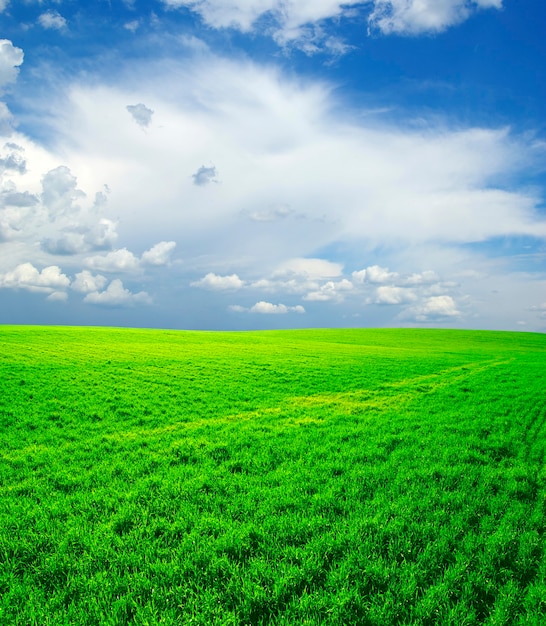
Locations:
{"points": [[367, 477]]}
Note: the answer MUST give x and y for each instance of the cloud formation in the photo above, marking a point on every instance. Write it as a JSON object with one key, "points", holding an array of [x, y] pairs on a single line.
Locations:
{"points": [[375, 274], [159, 254], [59, 191], [215, 282], [141, 114], [268, 308], [309, 268], [388, 294], [121, 260], [204, 176], [303, 24], [434, 308], [330, 290], [293, 221], [116, 295], [26, 276], [11, 58], [414, 17], [85, 282], [52, 20]]}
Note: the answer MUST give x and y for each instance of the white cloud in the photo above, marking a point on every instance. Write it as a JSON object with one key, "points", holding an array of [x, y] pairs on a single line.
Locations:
{"points": [[26, 276], [414, 17], [433, 308], [117, 296], [311, 269], [116, 261], [102, 236], [132, 26], [12, 198], [375, 274], [67, 243], [277, 138], [13, 160], [423, 278], [267, 308], [295, 285], [219, 283], [281, 143], [78, 239], [52, 20], [159, 254], [59, 191], [388, 294], [330, 290], [85, 282], [289, 22], [11, 58], [141, 114], [302, 23]]}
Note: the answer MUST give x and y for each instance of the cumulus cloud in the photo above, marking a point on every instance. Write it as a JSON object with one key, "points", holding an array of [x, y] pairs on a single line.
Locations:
{"points": [[290, 23], [121, 260], [67, 244], [204, 176], [21, 199], [159, 254], [116, 295], [388, 294], [11, 58], [433, 309], [78, 239], [124, 260], [60, 191], [414, 17], [309, 268], [132, 26], [141, 114], [52, 20], [26, 276], [280, 139], [267, 308], [219, 283], [330, 290], [374, 274], [102, 236], [424, 278], [304, 24], [13, 160], [85, 282]]}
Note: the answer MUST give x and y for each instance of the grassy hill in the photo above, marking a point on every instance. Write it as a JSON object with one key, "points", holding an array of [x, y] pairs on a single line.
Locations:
{"points": [[367, 477]]}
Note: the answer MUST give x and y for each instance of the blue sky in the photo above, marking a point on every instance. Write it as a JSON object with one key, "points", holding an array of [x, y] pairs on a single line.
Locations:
{"points": [[239, 164]]}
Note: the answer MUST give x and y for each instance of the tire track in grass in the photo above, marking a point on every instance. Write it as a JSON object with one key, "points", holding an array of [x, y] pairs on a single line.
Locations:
{"points": [[354, 402]]}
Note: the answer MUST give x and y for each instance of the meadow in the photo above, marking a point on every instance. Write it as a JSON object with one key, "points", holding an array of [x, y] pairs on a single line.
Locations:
{"points": [[367, 477]]}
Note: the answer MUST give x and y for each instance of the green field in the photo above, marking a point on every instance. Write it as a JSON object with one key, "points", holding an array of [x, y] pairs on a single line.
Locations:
{"points": [[284, 477]]}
